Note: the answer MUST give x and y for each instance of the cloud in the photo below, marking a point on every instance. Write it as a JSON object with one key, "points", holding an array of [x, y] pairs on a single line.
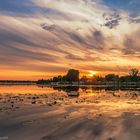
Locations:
{"points": [[98, 36], [131, 45], [111, 21], [135, 19], [59, 35]]}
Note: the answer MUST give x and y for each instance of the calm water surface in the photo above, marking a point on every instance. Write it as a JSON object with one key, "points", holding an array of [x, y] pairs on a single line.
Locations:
{"points": [[66, 95], [92, 113], [25, 89], [71, 91]]}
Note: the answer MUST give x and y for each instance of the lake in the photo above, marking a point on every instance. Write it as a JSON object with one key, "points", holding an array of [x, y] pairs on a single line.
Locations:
{"points": [[69, 112]]}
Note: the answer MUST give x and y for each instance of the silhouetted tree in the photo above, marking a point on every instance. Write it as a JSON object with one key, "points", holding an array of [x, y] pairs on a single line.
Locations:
{"points": [[43, 82], [111, 77], [97, 78], [72, 75], [64, 78], [134, 72], [125, 79], [57, 79], [84, 79], [134, 75]]}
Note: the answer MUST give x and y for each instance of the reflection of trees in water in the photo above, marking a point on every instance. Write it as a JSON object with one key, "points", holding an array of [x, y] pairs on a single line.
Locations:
{"points": [[75, 90], [70, 90], [67, 88], [86, 88], [112, 88]]}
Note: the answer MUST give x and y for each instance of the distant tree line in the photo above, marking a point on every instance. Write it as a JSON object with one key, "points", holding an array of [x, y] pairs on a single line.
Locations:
{"points": [[72, 76], [16, 82]]}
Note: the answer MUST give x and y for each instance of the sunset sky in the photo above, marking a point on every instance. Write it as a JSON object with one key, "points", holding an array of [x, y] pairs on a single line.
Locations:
{"points": [[44, 38]]}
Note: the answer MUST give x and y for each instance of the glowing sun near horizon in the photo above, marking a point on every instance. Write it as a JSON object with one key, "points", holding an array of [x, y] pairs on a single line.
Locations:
{"points": [[92, 73]]}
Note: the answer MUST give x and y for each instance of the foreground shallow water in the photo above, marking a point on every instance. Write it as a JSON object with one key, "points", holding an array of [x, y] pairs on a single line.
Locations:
{"points": [[60, 113], [15, 97]]}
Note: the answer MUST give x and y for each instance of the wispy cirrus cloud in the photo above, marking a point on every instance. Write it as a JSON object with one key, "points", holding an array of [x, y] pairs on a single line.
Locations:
{"points": [[41, 36]]}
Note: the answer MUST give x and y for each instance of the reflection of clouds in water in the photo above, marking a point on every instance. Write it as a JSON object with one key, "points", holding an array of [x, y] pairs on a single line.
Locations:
{"points": [[131, 125], [76, 118], [101, 127]]}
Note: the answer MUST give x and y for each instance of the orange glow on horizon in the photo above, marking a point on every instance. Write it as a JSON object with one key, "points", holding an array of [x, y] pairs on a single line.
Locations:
{"points": [[36, 75], [92, 73]]}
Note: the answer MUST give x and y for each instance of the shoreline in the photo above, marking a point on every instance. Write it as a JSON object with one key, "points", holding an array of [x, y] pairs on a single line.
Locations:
{"points": [[137, 87]]}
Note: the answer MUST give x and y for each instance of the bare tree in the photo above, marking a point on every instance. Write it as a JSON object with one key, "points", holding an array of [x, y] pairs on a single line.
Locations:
{"points": [[134, 75], [134, 72]]}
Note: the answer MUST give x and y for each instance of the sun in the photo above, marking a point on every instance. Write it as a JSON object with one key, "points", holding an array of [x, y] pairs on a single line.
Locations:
{"points": [[92, 73]]}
